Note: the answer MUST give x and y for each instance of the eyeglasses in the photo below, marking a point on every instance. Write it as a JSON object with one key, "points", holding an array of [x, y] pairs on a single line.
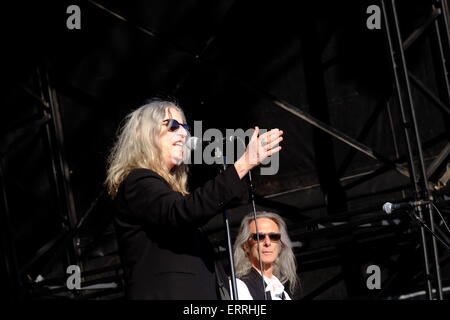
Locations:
{"points": [[173, 125], [272, 236]]}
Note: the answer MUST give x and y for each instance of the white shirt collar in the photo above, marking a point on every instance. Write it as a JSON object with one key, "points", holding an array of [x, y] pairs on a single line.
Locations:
{"points": [[274, 286]]}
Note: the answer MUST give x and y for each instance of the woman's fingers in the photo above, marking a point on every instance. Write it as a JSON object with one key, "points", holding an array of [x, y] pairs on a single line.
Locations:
{"points": [[269, 143], [255, 134], [272, 151], [271, 138], [273, 143], [269, 152], [258, 149], [271, 135], [263, 146]]}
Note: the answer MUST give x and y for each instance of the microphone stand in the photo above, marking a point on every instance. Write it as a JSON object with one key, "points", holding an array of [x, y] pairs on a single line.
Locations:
{"points": [[257, 233], [422, 223], [234, 296], [219, 154], [252, 196]]}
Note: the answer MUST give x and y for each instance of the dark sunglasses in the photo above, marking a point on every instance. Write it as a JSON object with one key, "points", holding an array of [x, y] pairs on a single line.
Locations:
{"points": [[173, 125], [272, 236]]}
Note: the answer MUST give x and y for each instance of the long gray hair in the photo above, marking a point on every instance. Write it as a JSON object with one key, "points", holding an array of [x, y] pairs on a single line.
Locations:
{"points": [[138, 146], [284, 267]]}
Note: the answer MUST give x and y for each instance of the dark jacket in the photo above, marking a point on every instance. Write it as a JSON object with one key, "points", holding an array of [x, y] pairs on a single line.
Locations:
{"points": [[254, 283], [164, 254]]}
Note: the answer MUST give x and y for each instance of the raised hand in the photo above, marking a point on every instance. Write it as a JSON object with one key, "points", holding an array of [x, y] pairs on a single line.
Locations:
{"points": [[258, 149]]}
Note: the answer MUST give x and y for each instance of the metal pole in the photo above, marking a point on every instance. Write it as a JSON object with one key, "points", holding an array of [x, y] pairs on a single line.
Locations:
{"points": [[418, 179], [59, 165], [219, 154], [421, 163], [9, 251]]}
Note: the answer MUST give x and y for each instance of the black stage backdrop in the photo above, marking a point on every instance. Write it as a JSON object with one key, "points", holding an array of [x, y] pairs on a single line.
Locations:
{"points": [[231, 64]]}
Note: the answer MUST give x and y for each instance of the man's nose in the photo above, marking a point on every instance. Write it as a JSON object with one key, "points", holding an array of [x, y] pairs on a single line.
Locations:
{"points": [[267, 241]]}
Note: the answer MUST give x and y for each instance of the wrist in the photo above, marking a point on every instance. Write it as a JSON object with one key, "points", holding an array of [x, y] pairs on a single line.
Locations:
{"points": [[242, 167]]}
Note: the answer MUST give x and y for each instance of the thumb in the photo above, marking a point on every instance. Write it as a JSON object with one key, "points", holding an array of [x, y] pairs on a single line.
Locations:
{"points": [[255, 133]]}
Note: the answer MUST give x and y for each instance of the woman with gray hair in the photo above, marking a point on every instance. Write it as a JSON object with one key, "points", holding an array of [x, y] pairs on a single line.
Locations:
{"points": [[163, 252], [264, 245]]}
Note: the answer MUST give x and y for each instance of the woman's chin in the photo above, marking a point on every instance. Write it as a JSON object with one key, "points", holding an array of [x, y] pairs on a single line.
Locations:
{"points": [[177, 161]]}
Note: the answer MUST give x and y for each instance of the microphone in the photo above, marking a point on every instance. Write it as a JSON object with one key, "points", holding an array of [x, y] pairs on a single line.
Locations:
{"points": [[193, 143], [390, 207]]}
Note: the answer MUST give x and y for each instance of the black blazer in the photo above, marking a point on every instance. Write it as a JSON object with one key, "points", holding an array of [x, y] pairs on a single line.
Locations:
{"points": [[163, 253], [255, 286]]}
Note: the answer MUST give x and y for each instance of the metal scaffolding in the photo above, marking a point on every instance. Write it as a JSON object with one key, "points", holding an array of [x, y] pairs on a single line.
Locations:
{"points": [[304, 229]]}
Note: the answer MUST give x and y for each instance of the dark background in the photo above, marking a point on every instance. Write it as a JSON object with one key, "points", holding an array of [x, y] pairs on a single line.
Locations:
{"points": [[225, 62]]}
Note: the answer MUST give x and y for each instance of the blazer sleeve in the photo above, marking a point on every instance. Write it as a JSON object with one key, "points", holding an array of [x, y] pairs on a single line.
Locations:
{"points": [[151, 200]]}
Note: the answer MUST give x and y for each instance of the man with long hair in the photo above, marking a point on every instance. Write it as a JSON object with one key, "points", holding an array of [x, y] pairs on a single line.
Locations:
{"points": [[163, 252], [264, 260]]}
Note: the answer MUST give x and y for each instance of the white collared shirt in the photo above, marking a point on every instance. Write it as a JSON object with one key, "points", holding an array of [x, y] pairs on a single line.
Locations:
{"points": [[274, 286]]}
